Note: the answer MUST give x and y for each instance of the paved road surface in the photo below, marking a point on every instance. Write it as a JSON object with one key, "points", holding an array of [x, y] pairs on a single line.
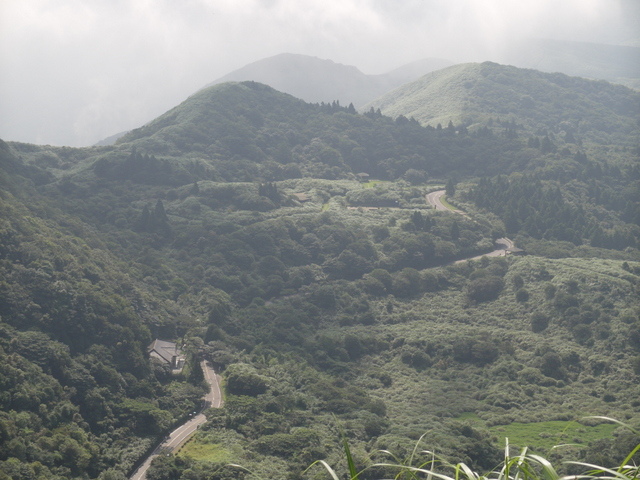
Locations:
{"points": [[502, 244], [501, 247], [213, 399], [435, 200]]}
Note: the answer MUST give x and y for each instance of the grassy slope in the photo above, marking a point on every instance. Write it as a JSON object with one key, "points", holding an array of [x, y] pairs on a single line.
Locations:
{"points": [[471, 93], [435, 98]]}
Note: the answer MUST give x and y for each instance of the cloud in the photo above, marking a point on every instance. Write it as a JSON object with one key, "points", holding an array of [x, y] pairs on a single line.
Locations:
{"points": [[73, 72]]}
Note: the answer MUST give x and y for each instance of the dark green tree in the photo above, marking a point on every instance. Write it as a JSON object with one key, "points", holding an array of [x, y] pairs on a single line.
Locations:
{"points": [[450, 189], [455, 230], [196, 374]]}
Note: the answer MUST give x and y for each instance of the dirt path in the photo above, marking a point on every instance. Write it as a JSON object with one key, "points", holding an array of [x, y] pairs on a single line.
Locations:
{"points": [[177, 438]]}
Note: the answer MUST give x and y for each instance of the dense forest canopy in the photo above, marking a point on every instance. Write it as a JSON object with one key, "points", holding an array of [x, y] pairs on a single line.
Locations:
{"points": [[291, 245]]}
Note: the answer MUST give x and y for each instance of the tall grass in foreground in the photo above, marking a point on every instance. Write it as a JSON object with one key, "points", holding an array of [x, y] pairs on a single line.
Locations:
{"points": [[522, 466]]}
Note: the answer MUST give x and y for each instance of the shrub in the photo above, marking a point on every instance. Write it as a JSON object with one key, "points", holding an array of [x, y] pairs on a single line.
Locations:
{"points": [[549, 291], [478, 352], [551, 366], [375, 426], [518, 282], [539, 322], [241, 380], [287, 445], [564, 301], [484, 289], [634, 335], [635, 364], [522, 295], [324, 297], [430, 282], [581, 333], [373, 286], [415, 357], [533, 376], [407, 283]]}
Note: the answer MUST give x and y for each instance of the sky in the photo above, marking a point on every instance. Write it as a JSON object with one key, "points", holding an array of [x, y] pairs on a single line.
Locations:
{"points": [[73, 72]]}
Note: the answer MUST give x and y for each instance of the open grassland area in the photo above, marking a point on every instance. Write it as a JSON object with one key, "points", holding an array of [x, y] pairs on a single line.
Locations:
{"points": [[542, 437], [206, 452]]}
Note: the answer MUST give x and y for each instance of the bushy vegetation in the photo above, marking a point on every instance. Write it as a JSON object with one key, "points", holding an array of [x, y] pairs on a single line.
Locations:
{"points": [[236, 224]]}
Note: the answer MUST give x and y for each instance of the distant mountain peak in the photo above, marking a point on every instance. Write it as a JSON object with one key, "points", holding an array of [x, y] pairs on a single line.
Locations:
{"points": [[318, 80]]}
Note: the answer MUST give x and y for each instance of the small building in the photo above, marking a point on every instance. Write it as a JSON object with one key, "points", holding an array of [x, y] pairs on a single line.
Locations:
{"points": [[362, 177], [514, 251], [167, 353]]}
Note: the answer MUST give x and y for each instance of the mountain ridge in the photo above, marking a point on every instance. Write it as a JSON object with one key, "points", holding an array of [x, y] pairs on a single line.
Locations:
{"points": [[240, 224], [318, 80], [473, 93]]}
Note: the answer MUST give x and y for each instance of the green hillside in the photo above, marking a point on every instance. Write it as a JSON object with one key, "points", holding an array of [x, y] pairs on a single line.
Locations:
{"points": [[334, 304], [473, 94], [316, 80]]}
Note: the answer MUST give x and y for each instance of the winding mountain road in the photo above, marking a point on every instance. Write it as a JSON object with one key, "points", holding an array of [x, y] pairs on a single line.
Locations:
{"points": [[213, 399], [177, 438], [435, 200], [501, 245], [500, 250]]}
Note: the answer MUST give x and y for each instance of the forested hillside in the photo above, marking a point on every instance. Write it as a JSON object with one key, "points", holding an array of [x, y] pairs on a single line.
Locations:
{"points": [[573, 109], [291, 244]]}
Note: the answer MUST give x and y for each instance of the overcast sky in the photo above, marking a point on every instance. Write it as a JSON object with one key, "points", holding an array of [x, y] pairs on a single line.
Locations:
{"points": [[75, 71]]}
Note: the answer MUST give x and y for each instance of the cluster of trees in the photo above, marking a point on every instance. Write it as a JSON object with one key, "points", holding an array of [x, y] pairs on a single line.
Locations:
{"points": [[315, 311], [78, 391], [531, 206], [250, 131], [273, 401]]}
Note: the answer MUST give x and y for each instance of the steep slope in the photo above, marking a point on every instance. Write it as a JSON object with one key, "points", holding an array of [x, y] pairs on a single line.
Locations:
{"points": [[243, 131], [78, 391], [226, 109], [474, 93], [316, 80], [325, 299]]}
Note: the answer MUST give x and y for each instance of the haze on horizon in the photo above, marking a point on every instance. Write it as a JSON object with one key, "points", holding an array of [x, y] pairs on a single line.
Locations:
{"points": [[75, 72]]}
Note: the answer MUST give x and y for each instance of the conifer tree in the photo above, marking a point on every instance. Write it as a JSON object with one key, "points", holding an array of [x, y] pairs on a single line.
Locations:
{"points": [[455, 231], [450, 188], [144, 222]]}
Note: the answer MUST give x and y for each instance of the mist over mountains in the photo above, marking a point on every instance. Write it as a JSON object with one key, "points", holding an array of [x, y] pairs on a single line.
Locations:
{"points": [[315, 80], [473, 93], [614, 63], [290, 243], [318, 80]]}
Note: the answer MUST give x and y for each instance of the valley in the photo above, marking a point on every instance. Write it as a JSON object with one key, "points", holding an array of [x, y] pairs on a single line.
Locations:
{"points": [[309, 254], [178, 437]]}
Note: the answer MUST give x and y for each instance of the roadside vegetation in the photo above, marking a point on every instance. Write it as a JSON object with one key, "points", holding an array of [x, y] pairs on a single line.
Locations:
{"points": [[237, 226]]}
